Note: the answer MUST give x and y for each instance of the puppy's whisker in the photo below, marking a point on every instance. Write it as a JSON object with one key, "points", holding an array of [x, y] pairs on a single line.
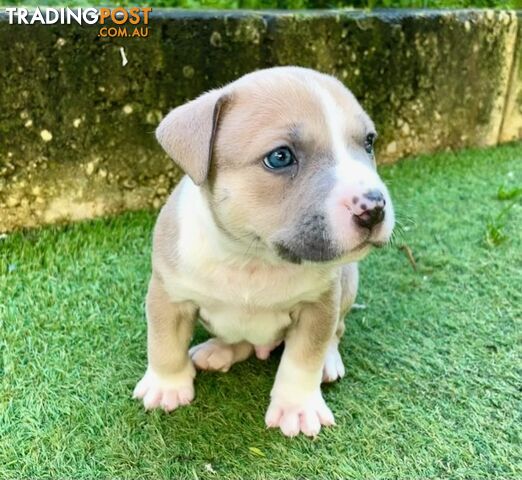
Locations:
{"points": [[254, 239]]}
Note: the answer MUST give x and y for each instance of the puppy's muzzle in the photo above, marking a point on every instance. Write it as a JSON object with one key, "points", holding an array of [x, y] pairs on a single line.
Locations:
{"points": [[369, 211]]}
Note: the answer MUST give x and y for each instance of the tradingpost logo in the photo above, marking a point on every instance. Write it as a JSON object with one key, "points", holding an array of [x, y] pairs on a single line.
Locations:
{"points": [[114, 22]]}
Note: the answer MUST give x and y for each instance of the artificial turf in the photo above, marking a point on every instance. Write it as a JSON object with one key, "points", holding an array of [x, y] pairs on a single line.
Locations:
{"points": [[433, 384]]}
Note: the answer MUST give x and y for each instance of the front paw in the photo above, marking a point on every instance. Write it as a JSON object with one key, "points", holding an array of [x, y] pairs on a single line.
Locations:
{"points": [[167, 392], [333, 368], [304, 415]]}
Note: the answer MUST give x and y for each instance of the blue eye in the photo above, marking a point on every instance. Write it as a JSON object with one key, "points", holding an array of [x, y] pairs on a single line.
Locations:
{"points": [[368, 143], [281, 157]]}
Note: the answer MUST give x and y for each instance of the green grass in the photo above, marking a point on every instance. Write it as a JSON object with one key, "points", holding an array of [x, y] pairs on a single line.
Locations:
{"points": [[433, 361]]}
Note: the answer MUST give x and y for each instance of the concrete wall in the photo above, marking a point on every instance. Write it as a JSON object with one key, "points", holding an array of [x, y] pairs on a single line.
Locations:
{"points": [[511, 128], [76, 127]]}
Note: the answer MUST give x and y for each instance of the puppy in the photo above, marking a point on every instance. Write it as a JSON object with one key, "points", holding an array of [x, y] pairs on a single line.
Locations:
{"points": [[260, 239]]}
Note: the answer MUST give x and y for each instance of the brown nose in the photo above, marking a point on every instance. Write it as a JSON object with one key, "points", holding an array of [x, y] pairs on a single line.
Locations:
{"points": [[371, 209]]}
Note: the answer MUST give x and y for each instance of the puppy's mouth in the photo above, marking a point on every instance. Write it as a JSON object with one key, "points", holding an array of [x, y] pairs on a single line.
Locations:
{"points": [[314, 244], [318, 255], [368, 242], [328, 255]]}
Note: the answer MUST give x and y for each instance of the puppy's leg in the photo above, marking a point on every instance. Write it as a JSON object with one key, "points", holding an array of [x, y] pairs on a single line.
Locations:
{"points": [[333, 365], [169, 380], [297, 403], [216, 355]]}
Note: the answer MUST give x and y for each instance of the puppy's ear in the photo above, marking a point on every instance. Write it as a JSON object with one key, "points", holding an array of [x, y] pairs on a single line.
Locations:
{"points": [[188, 132]]}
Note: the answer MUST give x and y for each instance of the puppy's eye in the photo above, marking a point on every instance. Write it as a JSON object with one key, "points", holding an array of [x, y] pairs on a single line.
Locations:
{"points": [[368, 143], [281, 157]]}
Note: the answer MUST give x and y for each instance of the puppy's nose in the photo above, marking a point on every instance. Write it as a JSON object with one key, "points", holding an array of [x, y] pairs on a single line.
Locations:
{"points": [[371, 209]]}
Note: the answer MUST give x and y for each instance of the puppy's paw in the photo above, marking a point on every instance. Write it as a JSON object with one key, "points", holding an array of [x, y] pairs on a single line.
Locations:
{"points": [[333, 365], [263, 351], [213, 355], [303, 415], [166, 392]]}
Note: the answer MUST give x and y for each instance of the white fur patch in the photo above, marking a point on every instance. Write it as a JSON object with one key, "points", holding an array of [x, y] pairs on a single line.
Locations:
{"points": [[336, 121], [241, 298], [302, 414], [166, 391], [297, 404], [353, 178], [333, 365]]}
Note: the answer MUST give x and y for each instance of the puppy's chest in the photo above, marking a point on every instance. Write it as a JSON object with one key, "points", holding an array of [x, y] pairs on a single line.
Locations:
{"points": [[251, 303]]}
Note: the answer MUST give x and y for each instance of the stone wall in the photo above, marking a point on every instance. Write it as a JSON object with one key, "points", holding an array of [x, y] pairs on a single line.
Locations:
{"points": [[76, 127]]}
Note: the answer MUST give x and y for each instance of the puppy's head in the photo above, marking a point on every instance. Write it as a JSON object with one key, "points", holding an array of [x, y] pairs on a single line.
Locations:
{"points": [[285, 157]]}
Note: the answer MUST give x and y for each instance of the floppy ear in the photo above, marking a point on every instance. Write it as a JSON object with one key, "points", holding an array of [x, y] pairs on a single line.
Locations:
{"points": [[187, 133]]}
